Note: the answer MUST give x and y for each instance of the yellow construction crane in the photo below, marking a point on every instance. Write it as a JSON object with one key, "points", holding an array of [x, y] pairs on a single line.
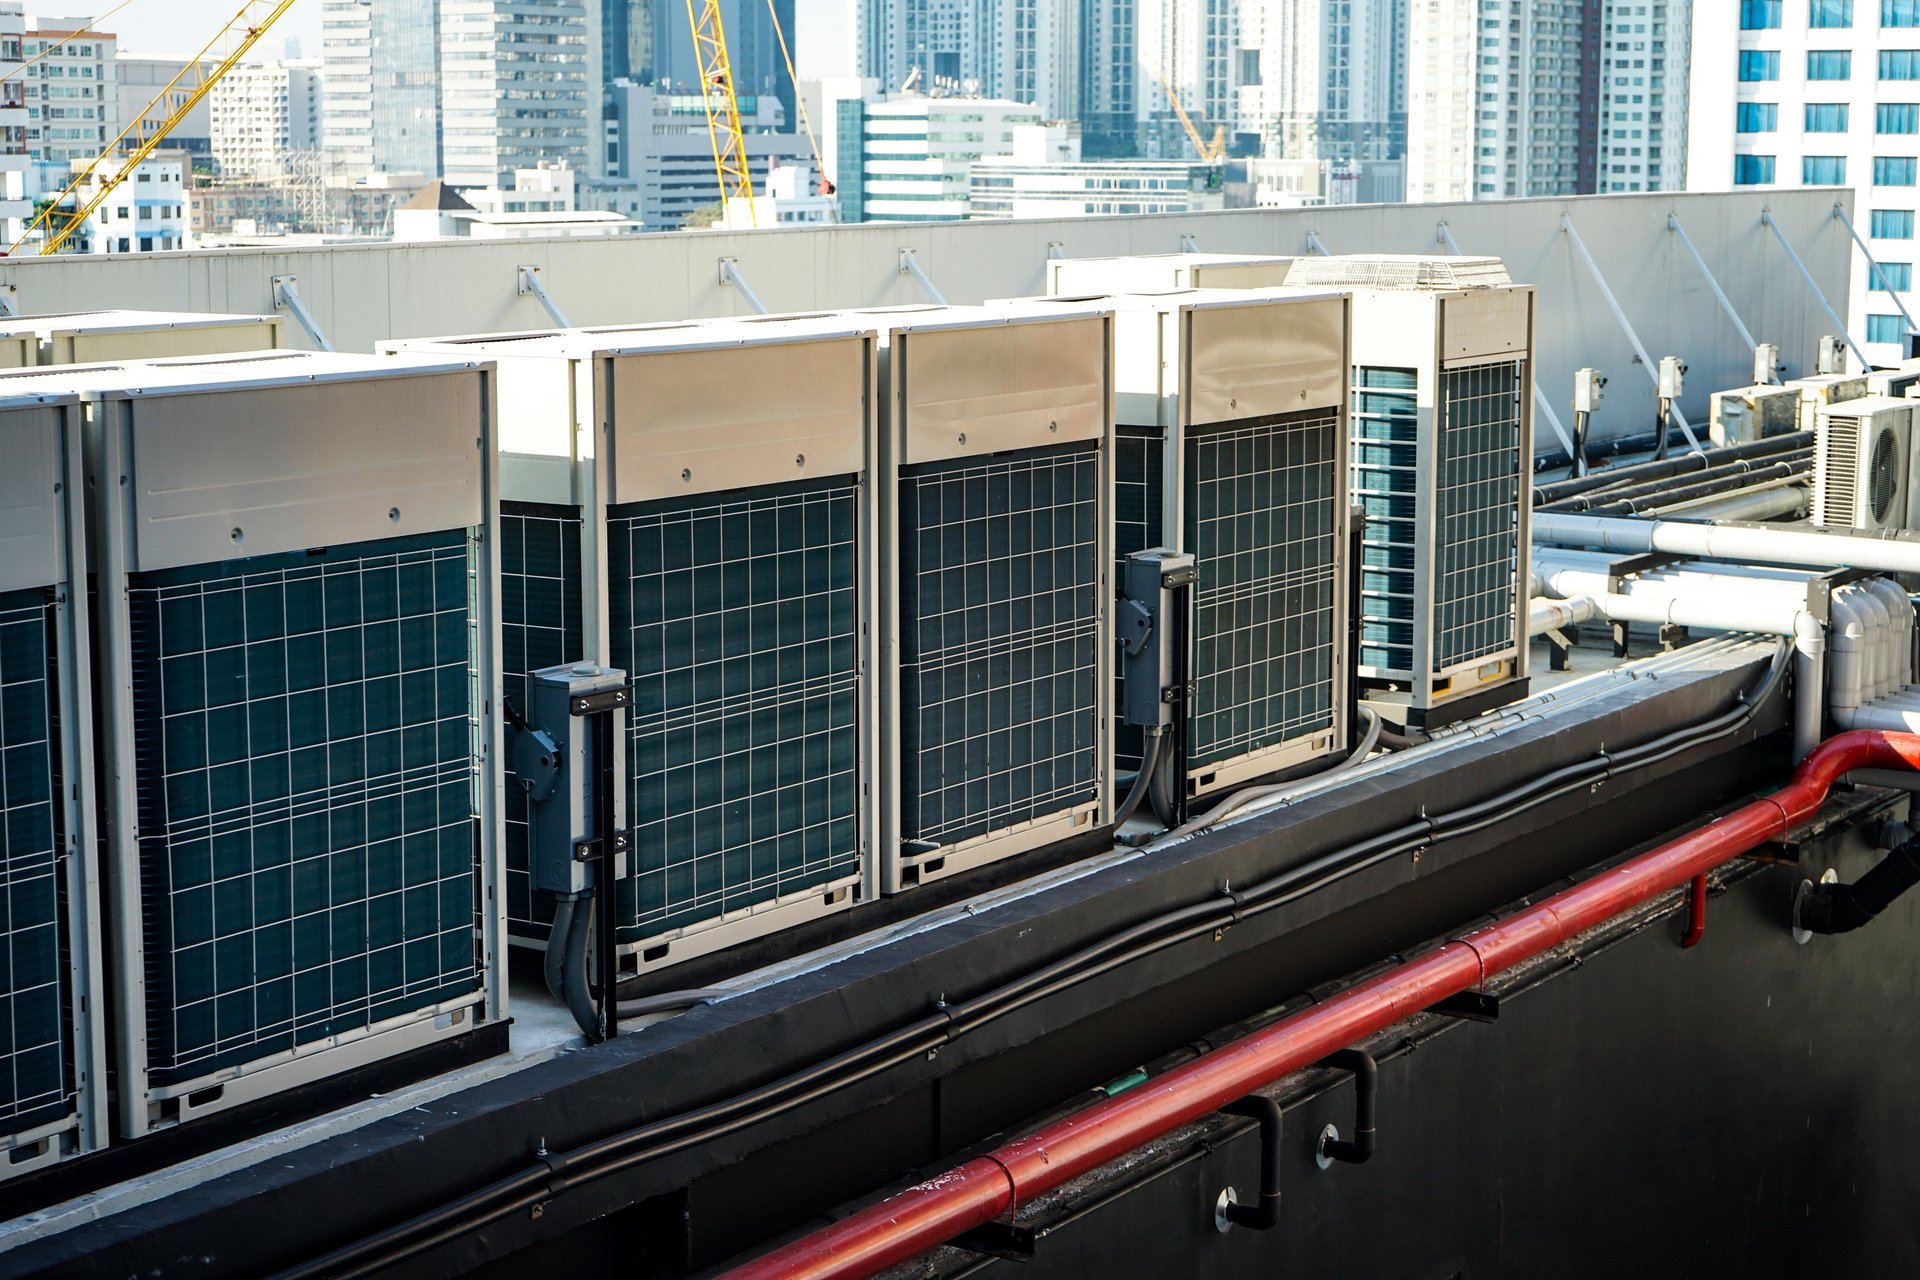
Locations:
{"points": [[723, 106], [151, 127], [1211, 152]]}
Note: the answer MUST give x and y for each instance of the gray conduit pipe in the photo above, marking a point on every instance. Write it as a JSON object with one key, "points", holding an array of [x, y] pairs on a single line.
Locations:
{"points": [[1725, 542]]}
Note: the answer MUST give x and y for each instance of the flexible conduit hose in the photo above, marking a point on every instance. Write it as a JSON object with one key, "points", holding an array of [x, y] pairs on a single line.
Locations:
{"points": [[934, 1212], [627, 1148], [1254, 795], [579, 998], [1155, 739], [558, 938]]}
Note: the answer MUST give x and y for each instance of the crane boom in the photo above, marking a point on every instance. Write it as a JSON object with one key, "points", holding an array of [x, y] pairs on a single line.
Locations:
{"points": [[1209, 152], [237, 38], [723, 106]]}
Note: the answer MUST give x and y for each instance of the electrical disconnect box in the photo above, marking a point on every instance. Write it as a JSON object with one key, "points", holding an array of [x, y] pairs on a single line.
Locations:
{"points": [[1767, 370], [556, 763], [1155, 591], [1831, 356], [1587, 386], [1673, 378]]}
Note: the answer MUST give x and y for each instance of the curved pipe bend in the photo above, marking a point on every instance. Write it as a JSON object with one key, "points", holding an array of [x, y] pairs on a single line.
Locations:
{"points": [[908, 1224]]}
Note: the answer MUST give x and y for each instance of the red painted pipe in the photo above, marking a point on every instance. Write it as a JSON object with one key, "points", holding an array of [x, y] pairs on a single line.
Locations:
{"points": [[1696, 913], [934, 1212]]}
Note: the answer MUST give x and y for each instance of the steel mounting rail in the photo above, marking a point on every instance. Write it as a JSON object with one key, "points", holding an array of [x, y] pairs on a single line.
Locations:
{"points": [[931, 1213]]}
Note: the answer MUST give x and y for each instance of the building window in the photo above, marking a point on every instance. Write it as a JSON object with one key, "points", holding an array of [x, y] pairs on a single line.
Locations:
{"points": [[1896, 117], [1893, 171], [1759, 15], [1760, 64], [1756, 117], [1891, 277], [1892, 224], [1826, 117], [1900, 13], [1900, 64], [1829, 64], [1830, 13], [1886, 329], [1824, 171], [1752, 171]]}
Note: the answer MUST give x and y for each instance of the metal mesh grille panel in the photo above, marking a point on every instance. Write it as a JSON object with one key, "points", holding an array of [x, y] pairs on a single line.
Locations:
{"points": [[35, 1071], [1261, 509], [1386, 477], [1481, 468], [738, 617], [999, 635], [304, 732], [540, 626]]}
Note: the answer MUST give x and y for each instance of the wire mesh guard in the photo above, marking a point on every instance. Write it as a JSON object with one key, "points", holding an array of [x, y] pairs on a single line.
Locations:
{"points": [[1477, 491], [1261, 511], [1139, 517], [999, 635], [36, 1074], [540, 626], [304, 736], [738, 616]]}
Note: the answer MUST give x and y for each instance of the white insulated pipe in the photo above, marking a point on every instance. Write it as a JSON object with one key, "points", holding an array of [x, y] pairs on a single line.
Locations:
{"points": [[1724, 542], [1550, 615]]}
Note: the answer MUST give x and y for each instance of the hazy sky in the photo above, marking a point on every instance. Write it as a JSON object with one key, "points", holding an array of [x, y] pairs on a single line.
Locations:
{"points": [[183, 26]]}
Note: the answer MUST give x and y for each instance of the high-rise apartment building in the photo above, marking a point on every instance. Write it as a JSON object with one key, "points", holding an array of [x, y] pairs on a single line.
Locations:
{"points": [[1819, 93], [72, 90], [1191, 47], [262, 114], [1020, 50], [1499, 98], [1326, 79], [910, 159], [1109, 77], [1641, 130], [380, 104], [650, 42], [519, 86]]}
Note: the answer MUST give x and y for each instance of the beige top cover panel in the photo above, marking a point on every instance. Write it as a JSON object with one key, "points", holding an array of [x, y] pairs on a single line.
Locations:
{"points": [[31, 510], [702, 420], [303, 464], [1266, 358], [1486, 324], [1011, 385]]}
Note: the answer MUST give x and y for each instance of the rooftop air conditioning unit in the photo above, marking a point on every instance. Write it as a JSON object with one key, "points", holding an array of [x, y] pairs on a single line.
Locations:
{"points": [[53, 1069], [692, 504], [1820, 390], [1155, 272], [87, 337], [1861, 464], [1231, 446], [996, 572], [1753, 413], [298, 737], [1897, 381], [1442, 462]]}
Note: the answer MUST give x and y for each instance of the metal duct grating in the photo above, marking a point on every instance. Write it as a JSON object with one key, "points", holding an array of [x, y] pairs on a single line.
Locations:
{"points": [[1386, 477], [540, 626], [304, 744], [1398, 271], [36, 1071], [999, 635], [1479, 473], [1836, 498], [738, 617], [1261, 509]]}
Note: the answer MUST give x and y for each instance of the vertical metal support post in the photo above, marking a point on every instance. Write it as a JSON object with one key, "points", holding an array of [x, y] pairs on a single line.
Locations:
{"points": [[910, 266], [1580, 421], [1314, 243], [1626, 326], [1673, 225], [1541, 403], [286, 297], [1766, 218], [1873, 267], [530, 283], [730, 274], [604, 884]]}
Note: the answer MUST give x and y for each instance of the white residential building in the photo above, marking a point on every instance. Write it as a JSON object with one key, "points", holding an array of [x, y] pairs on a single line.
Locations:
{"points": [[73, 90], [146, 213], [15, 207], [1194, 47], [519, 86], [909, 159], [1819, 93], [1045, 177], [262, 114]]}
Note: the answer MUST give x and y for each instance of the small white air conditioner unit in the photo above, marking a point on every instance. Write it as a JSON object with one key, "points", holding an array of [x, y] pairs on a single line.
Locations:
{"points": [[1751, 413], [1861, 462]]}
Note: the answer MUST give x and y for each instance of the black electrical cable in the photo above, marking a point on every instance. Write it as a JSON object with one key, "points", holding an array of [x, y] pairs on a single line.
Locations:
{"points": [[653, 1141], [1143, 780], [1842, 908], [555, 966]]}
